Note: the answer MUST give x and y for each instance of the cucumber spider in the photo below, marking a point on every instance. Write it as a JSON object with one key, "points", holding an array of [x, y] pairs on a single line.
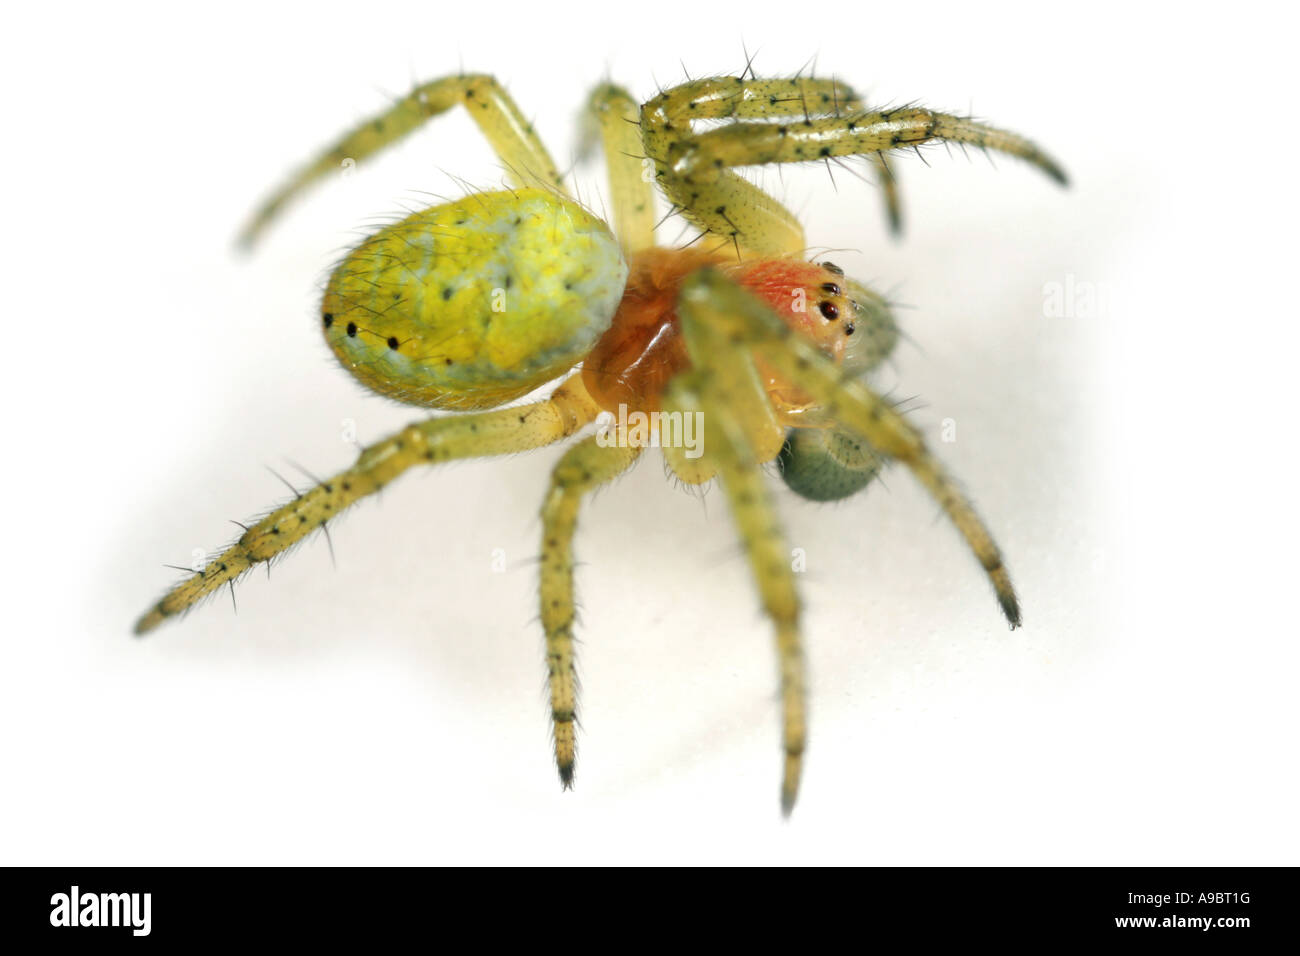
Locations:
{"points": [[469, 305]]}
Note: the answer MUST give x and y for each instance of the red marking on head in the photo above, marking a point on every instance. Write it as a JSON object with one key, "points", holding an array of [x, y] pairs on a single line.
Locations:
{"points": [[643, 347]]}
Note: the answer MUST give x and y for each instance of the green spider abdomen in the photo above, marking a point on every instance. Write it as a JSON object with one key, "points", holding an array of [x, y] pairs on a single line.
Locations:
{"points": [[476, 302]]}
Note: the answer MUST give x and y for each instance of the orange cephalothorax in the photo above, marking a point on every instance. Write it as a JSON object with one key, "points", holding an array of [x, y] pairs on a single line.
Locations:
{"points": [[643, 347]]}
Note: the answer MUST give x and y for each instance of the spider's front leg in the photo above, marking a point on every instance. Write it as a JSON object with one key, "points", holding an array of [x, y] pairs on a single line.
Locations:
{"points": [[742, 430], [726, 328], [854, 407], [889, 189], [731, 206], [499, 432], [788, 121], [730, 451], [506, 129], [727, 205], [750, 144]]}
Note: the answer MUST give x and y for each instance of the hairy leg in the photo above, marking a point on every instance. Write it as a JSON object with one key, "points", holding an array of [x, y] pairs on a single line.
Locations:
{"points": [[613, 115], [741, 430], [741, 318], [497, 432], [729, 206], [511, 136], [826, 119], [888, 180], [583, 468], [729, 450], [747, 144]]}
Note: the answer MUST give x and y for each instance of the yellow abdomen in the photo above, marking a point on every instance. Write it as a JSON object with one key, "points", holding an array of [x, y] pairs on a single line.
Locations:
{"points": [[476, 302]]}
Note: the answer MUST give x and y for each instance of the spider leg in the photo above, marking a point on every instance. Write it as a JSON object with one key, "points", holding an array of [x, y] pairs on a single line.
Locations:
{"points": [[729, 205], [742, 318], [732, 454], [741, 430], [691, 471], [888, 180], [697, 159], [498, 432], [827, 120], [510, 134], [613, 115], [733, 97], [584, 467]]}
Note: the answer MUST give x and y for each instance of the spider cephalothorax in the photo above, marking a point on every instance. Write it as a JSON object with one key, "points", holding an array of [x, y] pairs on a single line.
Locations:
{"points": [[472, 304]]}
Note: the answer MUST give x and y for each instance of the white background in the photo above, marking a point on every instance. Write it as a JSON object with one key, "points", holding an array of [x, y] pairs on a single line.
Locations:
{"points": [[1134, 464]]}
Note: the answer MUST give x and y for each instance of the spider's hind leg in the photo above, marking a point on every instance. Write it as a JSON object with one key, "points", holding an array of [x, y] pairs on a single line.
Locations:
{"points": [[499, 432], [583, 468], [615, 118], [508, 131]]}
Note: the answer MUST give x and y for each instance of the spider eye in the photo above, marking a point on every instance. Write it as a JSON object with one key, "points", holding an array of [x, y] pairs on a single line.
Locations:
{"points": [[829, 309], [832, 267], [830, 288]]}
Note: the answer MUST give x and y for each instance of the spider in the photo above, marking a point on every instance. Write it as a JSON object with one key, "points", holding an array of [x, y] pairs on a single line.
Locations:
{"points": [[468, 305]]}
